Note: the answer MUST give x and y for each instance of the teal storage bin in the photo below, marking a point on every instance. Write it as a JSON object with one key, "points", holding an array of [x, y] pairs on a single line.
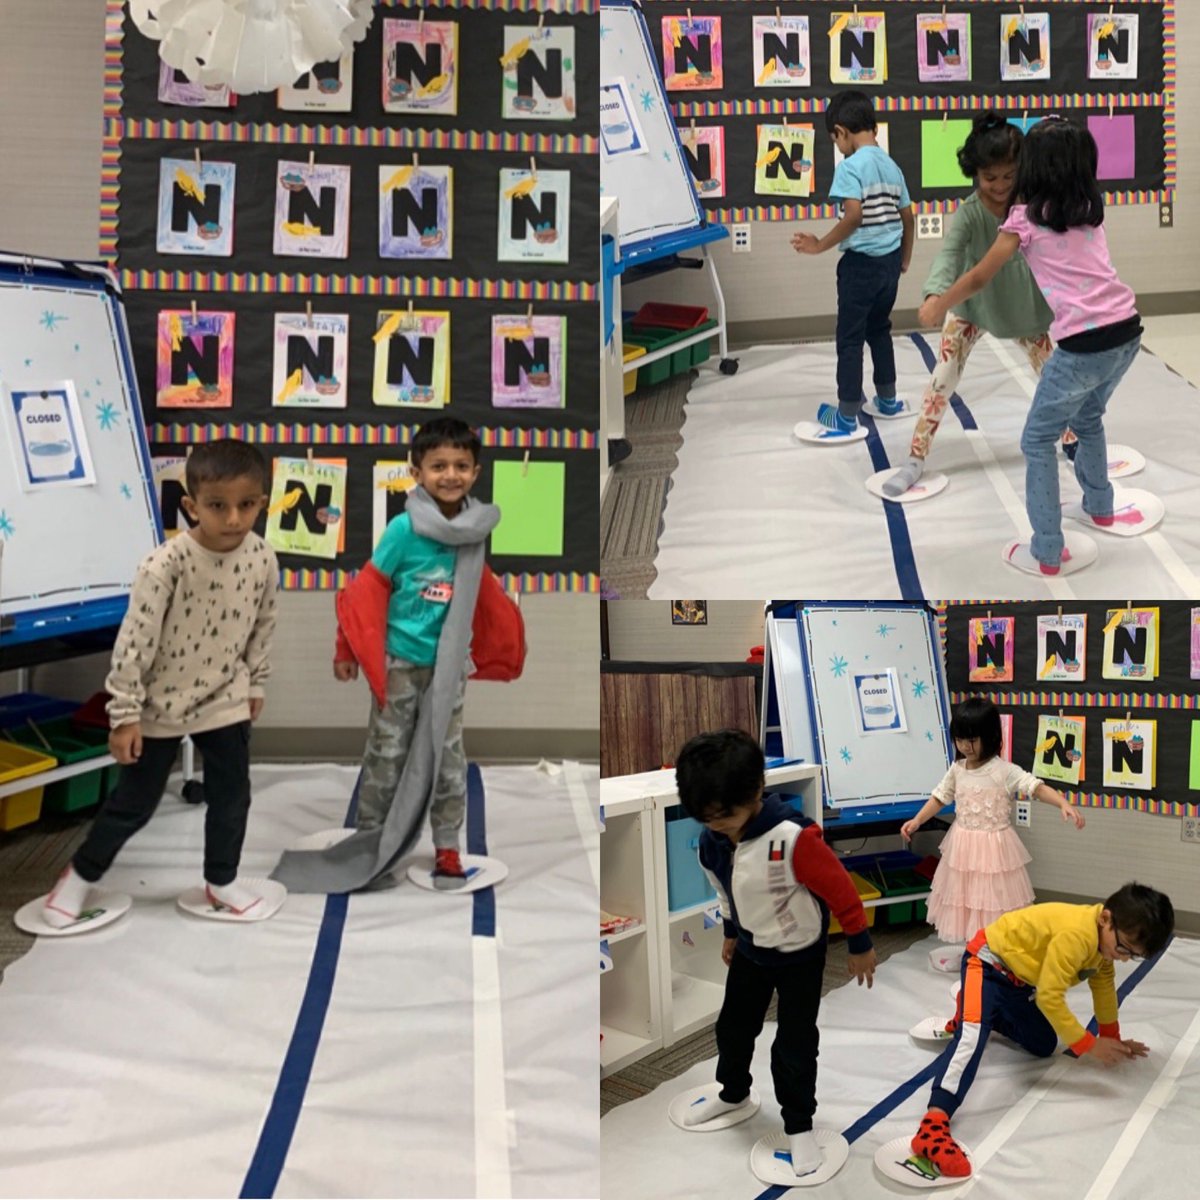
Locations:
{"points": [[687, 883]]}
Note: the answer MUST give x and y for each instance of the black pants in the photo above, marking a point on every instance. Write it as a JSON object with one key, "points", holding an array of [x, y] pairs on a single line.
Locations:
{"points": [[748, 990], [866, 293], [140, 787]]}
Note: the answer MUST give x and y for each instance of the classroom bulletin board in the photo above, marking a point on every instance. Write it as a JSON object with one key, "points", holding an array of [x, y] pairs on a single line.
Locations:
{"points": [[749, 81], [1099, 698], [407, 233]]}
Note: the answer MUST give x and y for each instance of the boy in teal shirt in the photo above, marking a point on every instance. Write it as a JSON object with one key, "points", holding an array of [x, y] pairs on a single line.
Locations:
{"points": [[445, 462], [876, 237]]}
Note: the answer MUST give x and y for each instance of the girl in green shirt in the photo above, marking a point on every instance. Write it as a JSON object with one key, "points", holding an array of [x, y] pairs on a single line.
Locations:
{"points": [[1011, 306]]}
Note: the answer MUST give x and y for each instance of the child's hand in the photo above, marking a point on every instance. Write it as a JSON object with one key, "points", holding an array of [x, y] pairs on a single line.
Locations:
{"points": [[931, 314], [727, 951], [1110, 1051], [345, 671], [909, 828], [125, 743], [1072, 814], [804, 243], [256, 705], [862, 966], [1136, 1049]]}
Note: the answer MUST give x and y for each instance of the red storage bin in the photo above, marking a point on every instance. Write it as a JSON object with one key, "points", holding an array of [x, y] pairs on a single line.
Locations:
{"points": [[669, 316]]}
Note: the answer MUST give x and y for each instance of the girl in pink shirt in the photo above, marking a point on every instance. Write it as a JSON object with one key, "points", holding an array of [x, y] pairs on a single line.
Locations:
{"points": [[1058, 223]]}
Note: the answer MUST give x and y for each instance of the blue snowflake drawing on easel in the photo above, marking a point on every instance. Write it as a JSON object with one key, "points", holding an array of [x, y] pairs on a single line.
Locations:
{"points": [[837, 665], [884, 630], [50, 320], [126, 492], [845, 754], [647, 99], [7, 529], [604, 32], [920, 687], [929, 735], [107, 415]]}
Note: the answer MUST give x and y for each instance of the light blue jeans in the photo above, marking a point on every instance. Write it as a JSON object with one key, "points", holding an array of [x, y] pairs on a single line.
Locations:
{"points": [[1073, 391]]}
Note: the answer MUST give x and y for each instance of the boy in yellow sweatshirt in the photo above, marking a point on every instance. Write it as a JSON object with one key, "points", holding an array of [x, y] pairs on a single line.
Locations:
{"points": [[1049, 948]]}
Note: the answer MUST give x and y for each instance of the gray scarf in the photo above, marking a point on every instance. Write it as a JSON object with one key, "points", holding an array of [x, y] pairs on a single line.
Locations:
{"points": [[354, 862]]}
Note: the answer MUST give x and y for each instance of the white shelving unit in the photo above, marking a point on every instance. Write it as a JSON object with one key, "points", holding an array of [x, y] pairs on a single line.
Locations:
{"points": [[668, 979]]}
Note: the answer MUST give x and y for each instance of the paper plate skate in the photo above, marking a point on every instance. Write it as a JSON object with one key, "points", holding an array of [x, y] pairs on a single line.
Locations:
{"points": [[1134, 512], [1124, 461], [955, 988], [322, 839], [273, 895], [931, 1032], [482, 872], [925, 487], [896, 1161], [771, 1160], [1079, 554], [816, 434], [872, 410], [946, 958], [685, 1100], [103, 908]]}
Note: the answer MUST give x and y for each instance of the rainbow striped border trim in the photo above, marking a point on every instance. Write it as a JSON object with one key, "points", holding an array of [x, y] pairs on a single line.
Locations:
{"points": [[581, 8], [686, 109], [1144, 804], [346, 135], [323, 579], [110, 147], [842, 3], [357, 285], [268, 433], [1127, 700]]}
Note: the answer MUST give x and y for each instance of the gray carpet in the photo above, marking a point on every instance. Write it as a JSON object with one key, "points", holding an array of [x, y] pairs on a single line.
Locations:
{"points": [[647, 1073], [631, 516]]}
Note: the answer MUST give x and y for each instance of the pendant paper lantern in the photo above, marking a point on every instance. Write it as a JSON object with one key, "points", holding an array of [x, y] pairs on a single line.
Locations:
{"points": [[251, 45]]}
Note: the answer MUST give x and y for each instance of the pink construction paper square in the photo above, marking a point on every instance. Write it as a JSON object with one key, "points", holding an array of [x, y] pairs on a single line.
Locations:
{"points": [[1114, 140]]}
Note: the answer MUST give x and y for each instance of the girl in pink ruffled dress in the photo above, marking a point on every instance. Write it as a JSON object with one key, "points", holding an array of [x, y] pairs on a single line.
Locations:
{"points": [[982, 873]]}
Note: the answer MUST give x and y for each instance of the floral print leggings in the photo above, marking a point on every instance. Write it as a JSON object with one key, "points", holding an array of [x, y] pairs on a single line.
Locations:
{"points": [[958, 340]]}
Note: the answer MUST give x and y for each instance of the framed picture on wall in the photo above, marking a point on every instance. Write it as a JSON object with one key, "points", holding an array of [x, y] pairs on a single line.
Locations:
{"points": [[689, 612]]}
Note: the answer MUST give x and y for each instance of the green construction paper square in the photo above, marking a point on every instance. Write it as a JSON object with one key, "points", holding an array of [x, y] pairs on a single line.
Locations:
{"points": [[1194, 772], [940, 140], [531, 498]]}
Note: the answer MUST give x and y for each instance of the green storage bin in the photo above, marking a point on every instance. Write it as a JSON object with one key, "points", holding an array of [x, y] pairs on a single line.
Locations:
{"points": [[69, 746], [680, 361], [901, 881]]}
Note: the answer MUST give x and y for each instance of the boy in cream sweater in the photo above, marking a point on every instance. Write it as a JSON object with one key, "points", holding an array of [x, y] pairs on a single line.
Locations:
{"points": [[190, 659]]}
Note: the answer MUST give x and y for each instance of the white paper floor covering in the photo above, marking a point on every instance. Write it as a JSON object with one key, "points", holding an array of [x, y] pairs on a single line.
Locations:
{"points": [[752, 513], [142, 1060], [1043, 1129]]}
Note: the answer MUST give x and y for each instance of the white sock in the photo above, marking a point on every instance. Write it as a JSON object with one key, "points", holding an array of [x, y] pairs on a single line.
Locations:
{"points": [[904, 477], [806, 1154], [234, 896], [67, 900], [708, 1107]]}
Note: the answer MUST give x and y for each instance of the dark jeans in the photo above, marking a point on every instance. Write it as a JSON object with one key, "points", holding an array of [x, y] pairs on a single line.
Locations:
{"points": [[140, 787], [748, 990], [866, 293]]}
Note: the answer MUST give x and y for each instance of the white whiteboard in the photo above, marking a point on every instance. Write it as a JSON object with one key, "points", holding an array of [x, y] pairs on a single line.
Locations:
{"points": [[655, 189], [815, 659], [71, 545]]}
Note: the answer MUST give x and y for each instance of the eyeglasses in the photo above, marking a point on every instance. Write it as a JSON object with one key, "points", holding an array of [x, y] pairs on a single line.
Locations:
{"points": [[1125, 950]]}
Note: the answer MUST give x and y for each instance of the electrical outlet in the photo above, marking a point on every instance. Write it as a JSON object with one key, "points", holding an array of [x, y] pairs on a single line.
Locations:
{"points": [[1191, 828], [1023, 812], [929, 225], [741, 238], [1166, 215]]}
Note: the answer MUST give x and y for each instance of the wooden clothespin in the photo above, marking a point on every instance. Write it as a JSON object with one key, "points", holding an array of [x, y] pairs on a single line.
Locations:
{"points": [[541, 22], [1060, 713], [778, 16], [945, 119], [416, 160], [989, 616], [525, 465], [1024, 120], [309, 456], [689, 17], [692, 131], [1110, 110], [410, 320], [195, 314], [197, 151], [1060, 612], [308, 313], [1129, 610], [532, 169], [421, 19], [312, 159], [529, 314]]}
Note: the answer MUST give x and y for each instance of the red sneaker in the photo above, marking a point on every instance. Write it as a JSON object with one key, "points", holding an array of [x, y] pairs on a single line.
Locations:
{"points": [[449, 863]]}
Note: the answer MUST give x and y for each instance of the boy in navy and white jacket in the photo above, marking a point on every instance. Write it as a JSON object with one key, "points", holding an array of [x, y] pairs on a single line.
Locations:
{"points": [[778, 883]]}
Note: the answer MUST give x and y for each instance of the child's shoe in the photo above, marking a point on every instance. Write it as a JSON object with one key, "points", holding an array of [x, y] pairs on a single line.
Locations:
{"points": [[67, 901], [934, 1143], [828, 415], [448, 870], [890, 406]]}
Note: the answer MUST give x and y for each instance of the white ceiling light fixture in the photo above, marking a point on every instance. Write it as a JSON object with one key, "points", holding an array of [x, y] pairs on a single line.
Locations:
{"points": [[251, 45]]}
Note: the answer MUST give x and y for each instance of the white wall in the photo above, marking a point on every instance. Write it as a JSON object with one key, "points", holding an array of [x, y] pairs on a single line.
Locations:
{"points": [[641, 631], [51, 81]]}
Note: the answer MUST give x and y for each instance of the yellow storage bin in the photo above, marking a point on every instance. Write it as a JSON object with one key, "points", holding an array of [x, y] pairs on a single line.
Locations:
{"points": [[865, 892], [630, 353], [16, 762]]}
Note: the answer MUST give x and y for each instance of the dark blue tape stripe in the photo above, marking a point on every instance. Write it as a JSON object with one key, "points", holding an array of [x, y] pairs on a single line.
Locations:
{"points": [[902, 551], [275, 1139], [853, 1132], [483, 918], [965, 417]]}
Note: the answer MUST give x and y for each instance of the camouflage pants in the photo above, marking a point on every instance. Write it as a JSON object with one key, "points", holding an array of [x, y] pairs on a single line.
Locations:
{"points": [[389, 736]]}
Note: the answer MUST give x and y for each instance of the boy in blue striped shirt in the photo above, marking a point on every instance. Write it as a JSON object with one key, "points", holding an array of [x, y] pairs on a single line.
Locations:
{"points": [[876, 236]]}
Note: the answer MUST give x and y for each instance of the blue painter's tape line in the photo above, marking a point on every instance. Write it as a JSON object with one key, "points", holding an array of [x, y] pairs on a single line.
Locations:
{"points": [[959, 406], [483, 918], [902, 551]]}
